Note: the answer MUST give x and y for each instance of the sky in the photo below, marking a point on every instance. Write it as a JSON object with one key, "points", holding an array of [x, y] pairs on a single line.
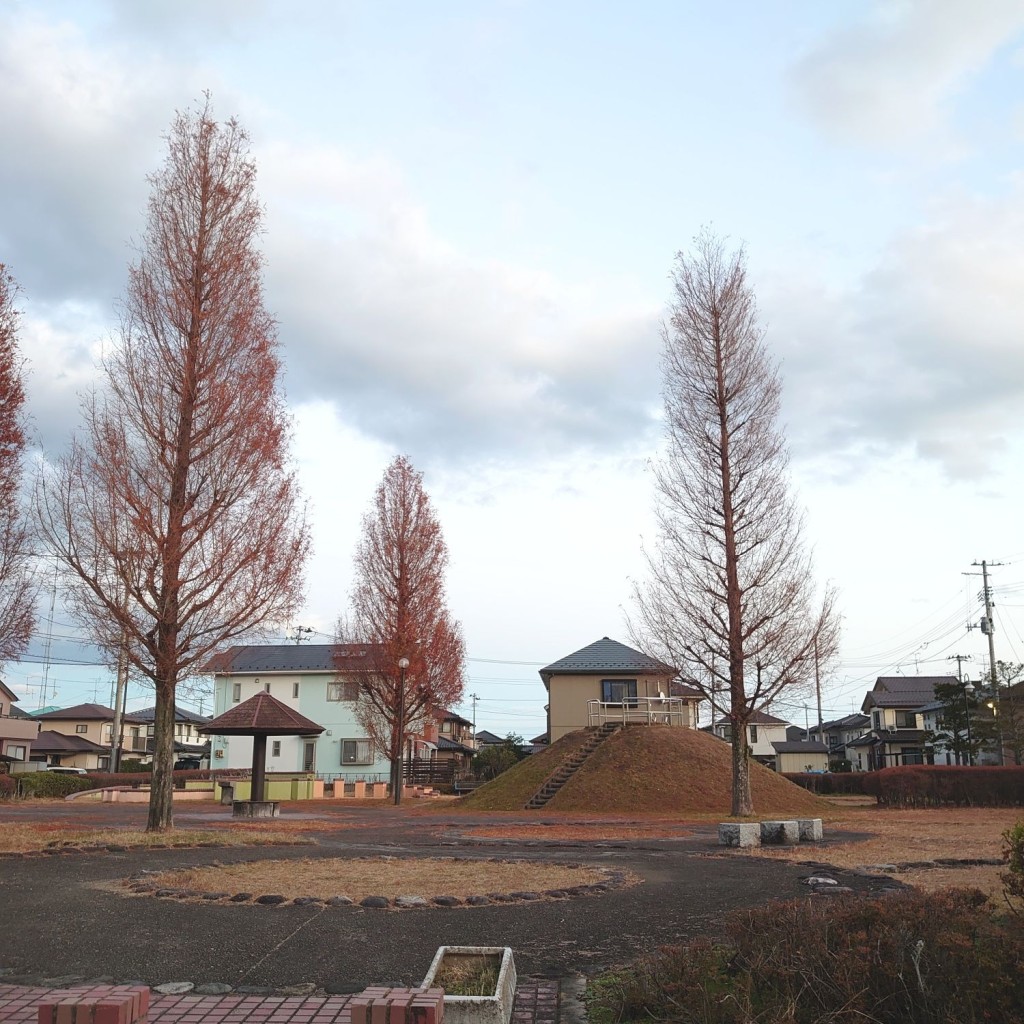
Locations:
{"points": [[472, 212]]}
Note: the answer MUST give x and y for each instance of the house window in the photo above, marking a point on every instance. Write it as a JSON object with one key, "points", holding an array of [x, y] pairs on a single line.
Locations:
{"points": [[906, 720], [275, 748], [876, 719], [266, 687], [753, 734], [618, 691], [356, 752], [446, 726], [103, 764], [295, 690], [81, 728], [236, 693], [18, 753], [344, 690]]}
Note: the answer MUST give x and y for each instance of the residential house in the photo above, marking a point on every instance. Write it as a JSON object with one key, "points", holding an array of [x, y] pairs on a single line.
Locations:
{"points": [[455, 741], [896, 734], [538, 743], [17, 730], [800, 756], [610, 682], [486, 739], [322, 683], [95, 723], [938, 752], [763, 731], [69, 750], [188, 742], [838, 734]]}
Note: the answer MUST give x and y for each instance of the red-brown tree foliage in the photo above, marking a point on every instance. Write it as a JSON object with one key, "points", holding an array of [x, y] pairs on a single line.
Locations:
{"points": [[400, 610], [18, 587], [175, 513]]}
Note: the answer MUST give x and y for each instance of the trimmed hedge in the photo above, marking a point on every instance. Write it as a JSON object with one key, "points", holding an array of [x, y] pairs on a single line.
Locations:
{"points": [[52, 784], [946, 786], [8, 787], [830, 782]]}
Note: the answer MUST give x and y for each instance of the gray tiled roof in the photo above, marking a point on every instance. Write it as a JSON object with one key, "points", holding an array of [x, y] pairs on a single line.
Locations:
{"points": [[85, 712], [903, 691], [288, 658], [806, 747], [605, 655], [180, 715]]}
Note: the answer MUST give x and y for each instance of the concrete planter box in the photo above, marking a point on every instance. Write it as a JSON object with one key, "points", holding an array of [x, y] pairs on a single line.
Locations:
{"points": [[492, 1009]]}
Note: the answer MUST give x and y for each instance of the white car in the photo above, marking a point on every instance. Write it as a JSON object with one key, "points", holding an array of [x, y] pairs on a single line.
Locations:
{"points": [[63, 769]]}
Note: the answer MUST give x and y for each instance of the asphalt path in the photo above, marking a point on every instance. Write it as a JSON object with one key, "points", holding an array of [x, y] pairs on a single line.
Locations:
{"points": [[64, 916]]}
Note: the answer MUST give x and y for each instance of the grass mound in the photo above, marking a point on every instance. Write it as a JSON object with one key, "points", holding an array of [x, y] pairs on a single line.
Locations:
{"points": [[646, 769]]}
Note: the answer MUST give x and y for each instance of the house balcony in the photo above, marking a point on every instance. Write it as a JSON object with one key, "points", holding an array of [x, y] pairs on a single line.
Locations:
{"points": [[640, 711], [26, 729]]}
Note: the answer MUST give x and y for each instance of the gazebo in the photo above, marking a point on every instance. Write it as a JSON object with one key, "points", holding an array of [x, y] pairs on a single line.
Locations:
{"points": [[259, 717]]}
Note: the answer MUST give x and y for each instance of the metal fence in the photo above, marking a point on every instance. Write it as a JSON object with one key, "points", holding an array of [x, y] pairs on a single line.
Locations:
{"points": [[639, 711]]}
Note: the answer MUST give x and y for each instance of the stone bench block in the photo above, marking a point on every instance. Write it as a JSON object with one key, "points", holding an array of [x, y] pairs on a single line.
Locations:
{"points": [[780, 833], [739, 834], [810, 830]]}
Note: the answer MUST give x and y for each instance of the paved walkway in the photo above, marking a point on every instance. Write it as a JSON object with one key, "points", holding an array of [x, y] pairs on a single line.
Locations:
{"points": [[537, 1002]]}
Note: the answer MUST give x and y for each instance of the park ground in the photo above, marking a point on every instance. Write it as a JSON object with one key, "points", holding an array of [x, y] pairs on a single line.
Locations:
{"points": [[77, 921]]}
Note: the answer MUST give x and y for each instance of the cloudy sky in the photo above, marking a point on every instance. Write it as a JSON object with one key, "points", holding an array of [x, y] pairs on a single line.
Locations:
{"points": [[472, 210]]}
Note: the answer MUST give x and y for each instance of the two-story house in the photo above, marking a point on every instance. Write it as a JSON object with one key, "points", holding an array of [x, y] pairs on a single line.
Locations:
{"points": [[17, 730], [322, 683], [607, 681], [92, 726], [763, 732], [188, 742], [896, 732], [837, 734]]}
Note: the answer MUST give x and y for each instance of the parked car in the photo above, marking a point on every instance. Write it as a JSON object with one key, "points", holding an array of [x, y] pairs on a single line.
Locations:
{"points": [[63, 769], [187, 764]]}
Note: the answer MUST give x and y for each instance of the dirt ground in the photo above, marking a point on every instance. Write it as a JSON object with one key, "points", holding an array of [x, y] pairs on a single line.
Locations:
{"points": [[899, 837], [381, 876]]}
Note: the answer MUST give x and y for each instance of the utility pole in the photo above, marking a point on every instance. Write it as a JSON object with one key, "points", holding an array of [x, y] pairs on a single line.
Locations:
{"points": [[817, 690], [960, 659], [301, 632], [120, 694], [988, 628], [474, 698]]}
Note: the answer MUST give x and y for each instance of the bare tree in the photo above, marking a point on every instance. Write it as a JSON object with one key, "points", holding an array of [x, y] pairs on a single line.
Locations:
{"points": [[730, 595], [18, 583], [400, 610], [174, 513]]}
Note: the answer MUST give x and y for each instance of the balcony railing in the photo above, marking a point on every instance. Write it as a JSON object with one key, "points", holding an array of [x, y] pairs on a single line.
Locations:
{"points": [[640, 711]]}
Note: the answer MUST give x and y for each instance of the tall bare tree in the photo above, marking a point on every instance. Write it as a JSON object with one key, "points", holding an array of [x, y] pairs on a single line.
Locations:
{"points": [[400, 610], [730, 593], [18, 583], [175, 513]]}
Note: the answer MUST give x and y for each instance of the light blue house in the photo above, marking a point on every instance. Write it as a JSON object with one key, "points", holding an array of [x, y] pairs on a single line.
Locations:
{"points": [[321, 682]]}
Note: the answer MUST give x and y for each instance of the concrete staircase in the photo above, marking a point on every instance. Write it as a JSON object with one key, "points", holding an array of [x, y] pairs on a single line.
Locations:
{"points": [[568, 768]]}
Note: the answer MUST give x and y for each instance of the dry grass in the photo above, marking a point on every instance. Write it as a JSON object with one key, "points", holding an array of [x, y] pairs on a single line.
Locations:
{"points": [[900, 836], [29, 838], [380, 876], [646, 770], [596, 831]]}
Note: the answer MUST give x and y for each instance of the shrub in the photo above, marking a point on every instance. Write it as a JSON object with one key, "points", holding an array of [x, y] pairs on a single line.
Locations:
{"points": [[52, 784], [946, 786], [840, 782], [8, 787], [132, 765], [911, 958], [1013, 877]]}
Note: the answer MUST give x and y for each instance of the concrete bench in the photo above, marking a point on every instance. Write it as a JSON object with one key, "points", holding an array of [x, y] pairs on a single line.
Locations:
{"points": [[98, 1004], [780, 833], [746, 833], [810, 830]]}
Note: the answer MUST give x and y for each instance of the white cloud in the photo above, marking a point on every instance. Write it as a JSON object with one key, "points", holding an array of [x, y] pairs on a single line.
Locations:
{"points": [[889, 79]]}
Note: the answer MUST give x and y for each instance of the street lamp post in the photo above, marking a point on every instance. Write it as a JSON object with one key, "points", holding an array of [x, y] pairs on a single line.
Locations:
{"points": [[403, 664], [968, 690]]}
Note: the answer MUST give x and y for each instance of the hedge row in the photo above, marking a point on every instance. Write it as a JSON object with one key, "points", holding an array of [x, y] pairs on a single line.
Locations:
{"points": [[51, 784], [946, 786], [7, 787], [57, 784], [830, 782]]}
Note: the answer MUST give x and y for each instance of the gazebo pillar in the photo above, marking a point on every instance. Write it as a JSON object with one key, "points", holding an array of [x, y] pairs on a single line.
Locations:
{"points": [[259, 766]]}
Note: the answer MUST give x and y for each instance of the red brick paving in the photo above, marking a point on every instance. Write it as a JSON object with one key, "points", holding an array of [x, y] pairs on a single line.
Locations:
{"points": [[536, 1002]]}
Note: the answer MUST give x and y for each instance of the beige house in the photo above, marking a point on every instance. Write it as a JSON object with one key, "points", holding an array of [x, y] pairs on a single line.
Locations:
{"points": [[95, 724], [17, 731], [896, 735], [610, 682], [763, 732], [800, 756]]}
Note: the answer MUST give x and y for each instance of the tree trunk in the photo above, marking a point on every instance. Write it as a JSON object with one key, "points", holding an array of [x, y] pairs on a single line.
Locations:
{"points": [[742, 802], [161, 807]]}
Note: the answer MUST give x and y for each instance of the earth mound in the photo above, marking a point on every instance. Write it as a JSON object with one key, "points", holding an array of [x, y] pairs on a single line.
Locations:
{"points": [[656, 769]]}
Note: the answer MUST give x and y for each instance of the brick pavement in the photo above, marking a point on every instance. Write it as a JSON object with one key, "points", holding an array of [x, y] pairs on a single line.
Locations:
{"points": [[537, 1002]]}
